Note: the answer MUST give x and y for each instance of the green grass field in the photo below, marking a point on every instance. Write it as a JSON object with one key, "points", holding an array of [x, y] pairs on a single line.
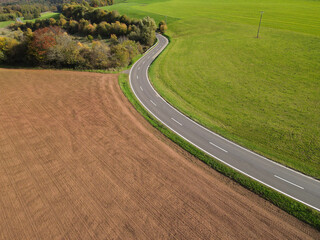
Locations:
{"points": [[262, 93], [43, 16], [129, 8]]}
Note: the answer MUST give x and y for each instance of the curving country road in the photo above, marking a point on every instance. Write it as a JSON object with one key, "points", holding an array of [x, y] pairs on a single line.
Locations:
{"points": [[282, 179]]}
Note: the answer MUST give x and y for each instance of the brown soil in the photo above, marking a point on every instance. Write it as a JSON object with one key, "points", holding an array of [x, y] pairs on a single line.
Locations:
{"points": [[78, 162]]}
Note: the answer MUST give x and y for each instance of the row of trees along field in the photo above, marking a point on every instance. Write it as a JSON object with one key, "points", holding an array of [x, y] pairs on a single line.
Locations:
{"points": [[11, 12], [83, 21], [33, 9], [51, 42]]}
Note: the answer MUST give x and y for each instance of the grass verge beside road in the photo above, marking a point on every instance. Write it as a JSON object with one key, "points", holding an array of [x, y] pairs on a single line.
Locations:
{"points": [[287, 204]]}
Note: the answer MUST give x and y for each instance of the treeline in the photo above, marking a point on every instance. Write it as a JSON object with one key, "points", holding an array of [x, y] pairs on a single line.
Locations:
{"points": [[7, 17], [108, 40], [84, 21], [93, 3], [11, 12], [99, 3], [27, 11], [52, 47], [2, 2], [35, 8]]}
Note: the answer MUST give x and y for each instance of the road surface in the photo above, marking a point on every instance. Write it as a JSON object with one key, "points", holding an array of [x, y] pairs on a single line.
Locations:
{"points": [[282, 179]]}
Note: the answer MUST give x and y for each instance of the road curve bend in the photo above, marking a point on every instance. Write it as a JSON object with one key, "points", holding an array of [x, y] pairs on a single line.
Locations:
{"points": [[276, 176]]}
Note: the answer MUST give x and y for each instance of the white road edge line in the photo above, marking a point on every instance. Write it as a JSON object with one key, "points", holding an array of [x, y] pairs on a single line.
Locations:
{"points": [[288, 181], [246, 174], [218, 147], [176, 121], [153, 102]]}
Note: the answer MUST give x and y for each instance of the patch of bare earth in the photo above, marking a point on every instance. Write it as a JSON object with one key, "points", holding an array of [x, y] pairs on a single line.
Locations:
{"points": [[78, 162]]}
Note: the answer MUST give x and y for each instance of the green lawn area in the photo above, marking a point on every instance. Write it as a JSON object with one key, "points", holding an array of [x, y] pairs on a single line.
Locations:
{"points": [[129, 8], [5, 24], [48, 15], [262, 93], [43, 16]]}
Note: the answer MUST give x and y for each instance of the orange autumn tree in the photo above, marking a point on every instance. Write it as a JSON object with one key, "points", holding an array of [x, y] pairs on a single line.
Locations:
{"points": [[43, 39], [163, 27]]}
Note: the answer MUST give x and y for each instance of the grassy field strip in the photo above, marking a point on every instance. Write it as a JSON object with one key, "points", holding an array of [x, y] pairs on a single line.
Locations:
{"points": [[5, 23]]}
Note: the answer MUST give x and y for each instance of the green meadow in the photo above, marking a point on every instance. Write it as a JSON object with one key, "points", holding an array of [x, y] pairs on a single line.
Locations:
{"points": [[262, 93]]}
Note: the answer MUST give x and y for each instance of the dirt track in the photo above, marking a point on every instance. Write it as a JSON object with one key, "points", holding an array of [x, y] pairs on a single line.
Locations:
{"points": [[78, 162]]}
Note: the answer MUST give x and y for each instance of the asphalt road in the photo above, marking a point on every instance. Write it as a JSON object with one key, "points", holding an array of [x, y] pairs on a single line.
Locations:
{"points": [[287, 181]]}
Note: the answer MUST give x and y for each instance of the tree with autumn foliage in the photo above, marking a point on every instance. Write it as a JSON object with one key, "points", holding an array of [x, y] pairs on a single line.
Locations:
{"points": [[9, 50], [162, 27], [43, 40]]}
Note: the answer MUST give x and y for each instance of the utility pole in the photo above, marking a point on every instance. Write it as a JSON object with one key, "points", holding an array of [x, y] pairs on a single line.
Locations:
{"points": [[261, 12]]}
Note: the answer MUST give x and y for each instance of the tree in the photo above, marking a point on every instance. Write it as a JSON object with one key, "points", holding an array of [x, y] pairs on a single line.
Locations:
{"points": [[65, 52], [119, 56], [52, 21], [123, 29], [94, 3], [90, 38], [162, 27], [102, 29], [83, 26], [2, 57], [147, 28], [89, 29], [135, 33], [99, 56], [132, 47], [42, 40], [62, 22], [28, 34], [11, 50], [73, 26], [125, 19], [114, 39]]}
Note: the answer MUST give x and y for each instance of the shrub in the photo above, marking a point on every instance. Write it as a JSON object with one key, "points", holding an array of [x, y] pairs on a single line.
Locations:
{"points": [[162, 27], [90, 38]]}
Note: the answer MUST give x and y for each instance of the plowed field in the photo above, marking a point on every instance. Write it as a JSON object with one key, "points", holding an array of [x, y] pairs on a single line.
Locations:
{"points": [[78, 162]]}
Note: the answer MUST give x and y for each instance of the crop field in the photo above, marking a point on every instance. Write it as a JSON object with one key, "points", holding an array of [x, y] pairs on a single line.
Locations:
{"points": [[78, 162], [263, 93]]}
